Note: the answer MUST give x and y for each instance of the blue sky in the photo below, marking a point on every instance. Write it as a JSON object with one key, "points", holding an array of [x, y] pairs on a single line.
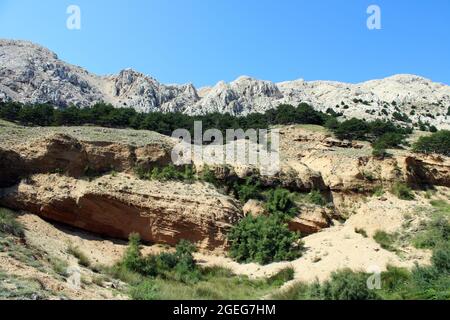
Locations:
{"points": [[204, 41]]}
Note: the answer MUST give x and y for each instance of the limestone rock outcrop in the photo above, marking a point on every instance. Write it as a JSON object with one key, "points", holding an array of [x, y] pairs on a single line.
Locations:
{"points": [[30, 73]]}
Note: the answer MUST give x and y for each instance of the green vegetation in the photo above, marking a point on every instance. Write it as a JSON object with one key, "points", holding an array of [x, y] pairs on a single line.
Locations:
{"points": [[59, 266], [402, 191], [436, 231], [216, 284], [168, 173], [9, 224], [378, 191], [106, 115], [19, 288], [315, 197], [361, 232], [438, 142], [378, 131], [343, 285], [385, 240], [389, 140], [176, 275], [249, 189], [422, 283], [264, 239], [83, 260], [279, 202], [379, 152], [179, 266]]}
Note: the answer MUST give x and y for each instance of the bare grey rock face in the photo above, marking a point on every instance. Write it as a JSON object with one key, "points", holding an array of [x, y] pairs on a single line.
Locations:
{"points": [[32, 74]]}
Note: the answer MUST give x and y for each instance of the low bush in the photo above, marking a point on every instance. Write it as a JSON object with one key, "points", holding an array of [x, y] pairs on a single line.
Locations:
{"points": [[378, 191], [167, 173], [361, 232], [179, 265], [315, 197], [83, 260], [385, 240], [379, 152], [402, 191], [283, 276], [279, 201], [347, 285], [435, 231], [264, 239], [250, 189], [342, 285], [9, 224]]}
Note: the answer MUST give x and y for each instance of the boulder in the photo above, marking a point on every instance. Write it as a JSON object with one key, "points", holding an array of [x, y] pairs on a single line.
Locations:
{"points": [[311, 219], [254, 208]]}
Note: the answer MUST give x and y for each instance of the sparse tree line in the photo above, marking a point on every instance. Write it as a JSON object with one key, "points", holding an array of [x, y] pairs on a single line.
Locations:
{"points": [[381, 133]]}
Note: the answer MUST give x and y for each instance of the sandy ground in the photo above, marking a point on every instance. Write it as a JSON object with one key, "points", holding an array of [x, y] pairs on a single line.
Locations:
{"points": [[335, 248]]}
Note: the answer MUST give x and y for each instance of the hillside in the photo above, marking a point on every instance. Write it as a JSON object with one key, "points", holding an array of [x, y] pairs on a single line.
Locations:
{"points": [[30, 73], [78, 192]]}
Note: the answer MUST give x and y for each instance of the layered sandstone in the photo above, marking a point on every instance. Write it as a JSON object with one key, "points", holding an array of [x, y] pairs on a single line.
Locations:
{"points": [[117, 205]]}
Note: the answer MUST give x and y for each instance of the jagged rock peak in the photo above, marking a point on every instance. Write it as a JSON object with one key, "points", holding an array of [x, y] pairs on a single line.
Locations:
{"points": [[30, 73]]}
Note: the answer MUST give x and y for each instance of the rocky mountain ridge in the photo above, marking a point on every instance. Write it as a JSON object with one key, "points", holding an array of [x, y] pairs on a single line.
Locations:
{"points": [[30, 73]]}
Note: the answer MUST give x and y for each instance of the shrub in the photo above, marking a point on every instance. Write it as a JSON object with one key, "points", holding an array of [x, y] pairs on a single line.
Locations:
{"points": [[378, 191], [342, 285], [401, 117], [179, 265], [83, 260], [279, 202], [59, 266], [402, 191], [168, 173], [385, 240], [9, 224], [264, 239], [436, 231], [379, 152], [282, 276], [249, 190], [438, 142], [209, 176], [394, 278], [441, 258], [146, 290], [316, 198], [132, 259], [361, 232], [347, 285]]}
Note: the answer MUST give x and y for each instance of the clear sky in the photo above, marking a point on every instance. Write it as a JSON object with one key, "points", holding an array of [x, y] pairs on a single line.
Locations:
{"points": [[204, 41]]}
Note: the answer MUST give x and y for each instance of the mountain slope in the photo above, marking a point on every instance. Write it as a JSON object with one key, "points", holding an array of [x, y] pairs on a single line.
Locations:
{"points": [[31, 74]]}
